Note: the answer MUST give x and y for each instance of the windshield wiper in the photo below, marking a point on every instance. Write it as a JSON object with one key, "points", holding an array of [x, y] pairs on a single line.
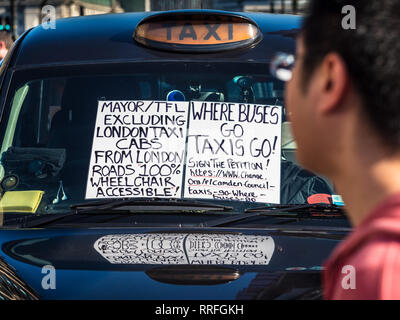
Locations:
{"points": [[147, 204], [319, 207], [308, 210], [127, 206]]}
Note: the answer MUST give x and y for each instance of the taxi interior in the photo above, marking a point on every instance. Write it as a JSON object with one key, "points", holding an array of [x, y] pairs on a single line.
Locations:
{"points": [[63, 109]]}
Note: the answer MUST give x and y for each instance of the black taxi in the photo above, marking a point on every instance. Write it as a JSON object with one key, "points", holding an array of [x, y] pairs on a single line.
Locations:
{"points": [[149, 156]]}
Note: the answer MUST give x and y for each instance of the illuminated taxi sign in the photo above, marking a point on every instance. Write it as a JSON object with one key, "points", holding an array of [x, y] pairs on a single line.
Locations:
{"points": [[196, 33]]}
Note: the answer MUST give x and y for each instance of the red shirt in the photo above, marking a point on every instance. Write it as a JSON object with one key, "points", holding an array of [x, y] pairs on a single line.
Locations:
{"points": [[366, 265]]}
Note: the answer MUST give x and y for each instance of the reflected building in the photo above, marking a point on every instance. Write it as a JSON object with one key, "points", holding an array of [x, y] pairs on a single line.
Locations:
{"points": [[25, 14]]}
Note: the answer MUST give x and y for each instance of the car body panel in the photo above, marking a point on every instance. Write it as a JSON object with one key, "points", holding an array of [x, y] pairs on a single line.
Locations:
{"points": [[110, 38], [82, 272]]}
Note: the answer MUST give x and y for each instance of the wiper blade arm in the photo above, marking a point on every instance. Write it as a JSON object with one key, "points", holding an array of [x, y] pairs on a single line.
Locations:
{"points": [[138, 205], [300, 208], [276, 210], [243, 216], [111, 204]]}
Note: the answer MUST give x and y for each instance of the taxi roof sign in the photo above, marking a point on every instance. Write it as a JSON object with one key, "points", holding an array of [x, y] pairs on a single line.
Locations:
{"points": [[197, 32]]}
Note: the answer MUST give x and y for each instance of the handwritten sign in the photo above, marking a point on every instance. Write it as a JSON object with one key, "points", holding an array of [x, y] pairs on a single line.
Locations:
{"points": [[181, 248], [138, 149], [233, 152]]}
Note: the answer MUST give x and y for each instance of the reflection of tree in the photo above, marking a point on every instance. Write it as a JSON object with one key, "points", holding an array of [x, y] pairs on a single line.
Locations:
{"points": [[294, 6], [283, 285], [12, 287], [257, 285]]}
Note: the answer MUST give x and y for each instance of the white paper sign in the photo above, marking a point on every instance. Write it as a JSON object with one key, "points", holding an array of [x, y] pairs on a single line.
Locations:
{"points": [[138, 149], [234, 152]]}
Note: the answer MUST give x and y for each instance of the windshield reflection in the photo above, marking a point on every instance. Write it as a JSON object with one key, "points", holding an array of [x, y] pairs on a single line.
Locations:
{"points": [[217, 144]]}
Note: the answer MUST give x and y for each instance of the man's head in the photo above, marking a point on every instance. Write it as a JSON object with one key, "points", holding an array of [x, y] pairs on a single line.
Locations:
{"points": [[345, 82], [5, 43]]}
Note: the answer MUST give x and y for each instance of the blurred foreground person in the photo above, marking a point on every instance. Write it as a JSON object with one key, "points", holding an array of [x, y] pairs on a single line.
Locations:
{"points": [[5, 43], [344, 104]]}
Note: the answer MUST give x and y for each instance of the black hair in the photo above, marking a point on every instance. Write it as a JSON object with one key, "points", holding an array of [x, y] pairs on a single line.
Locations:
{"points": [[371, 52]]}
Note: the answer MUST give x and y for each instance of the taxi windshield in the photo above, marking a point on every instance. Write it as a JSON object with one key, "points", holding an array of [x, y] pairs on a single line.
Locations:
{"points": [[216, 132]]}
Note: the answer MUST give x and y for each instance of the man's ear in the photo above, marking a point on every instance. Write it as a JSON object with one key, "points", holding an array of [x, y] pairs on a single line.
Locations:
{"points": [[2, 45], [333, 82]]}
